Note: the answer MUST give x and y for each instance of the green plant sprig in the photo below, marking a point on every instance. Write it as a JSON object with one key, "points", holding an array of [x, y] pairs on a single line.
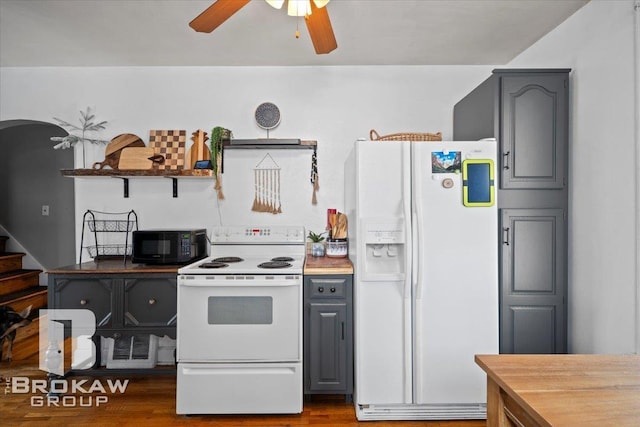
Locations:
{"points": [[315, 237], [216, 141]]}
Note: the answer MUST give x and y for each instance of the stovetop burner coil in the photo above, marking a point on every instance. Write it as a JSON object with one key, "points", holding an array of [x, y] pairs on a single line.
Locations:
{"points": [[213, 264], [282, 259], [229, 259], [274, 264]]}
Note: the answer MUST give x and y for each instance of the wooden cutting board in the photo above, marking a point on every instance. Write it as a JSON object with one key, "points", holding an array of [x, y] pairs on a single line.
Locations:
{"points": [[198, 150], [169, 144], [123, 140], [113, 150], [136, 158]]}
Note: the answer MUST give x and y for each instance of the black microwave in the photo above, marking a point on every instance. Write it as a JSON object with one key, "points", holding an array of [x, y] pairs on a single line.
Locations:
{"points": [[169, 246]]}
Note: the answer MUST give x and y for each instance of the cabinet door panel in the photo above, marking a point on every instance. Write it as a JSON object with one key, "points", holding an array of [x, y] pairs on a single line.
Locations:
{"points": [[533, 131], [91, 294], [533, 281], [328, 346], [536, 329], [150, 302]]}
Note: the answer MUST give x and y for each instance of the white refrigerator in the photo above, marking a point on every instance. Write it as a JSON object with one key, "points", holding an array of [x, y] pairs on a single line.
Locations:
{"points": [[423, 238]]}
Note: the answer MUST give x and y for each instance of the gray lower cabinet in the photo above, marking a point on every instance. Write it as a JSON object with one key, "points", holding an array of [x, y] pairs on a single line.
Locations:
{"points": [[123, 304], [80, 292], [526, 111], [328, 334], [532, 300], [150, 302]]}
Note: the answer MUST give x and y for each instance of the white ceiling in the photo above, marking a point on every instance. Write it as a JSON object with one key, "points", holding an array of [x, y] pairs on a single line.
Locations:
{"points": [[369, 32]]}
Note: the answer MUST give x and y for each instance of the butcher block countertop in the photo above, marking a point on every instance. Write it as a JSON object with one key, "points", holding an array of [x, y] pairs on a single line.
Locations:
{"points": [[114, 267], [327, 265], [562, 390]]}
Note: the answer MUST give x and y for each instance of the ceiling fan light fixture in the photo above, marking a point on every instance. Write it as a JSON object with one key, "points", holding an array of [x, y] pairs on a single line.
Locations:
{"points": [[318, 24], [299, 8]]}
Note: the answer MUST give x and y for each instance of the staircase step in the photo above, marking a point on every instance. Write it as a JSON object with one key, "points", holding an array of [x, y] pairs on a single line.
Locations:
{"points": [[18, 280], [10, 261], [36, 297]]}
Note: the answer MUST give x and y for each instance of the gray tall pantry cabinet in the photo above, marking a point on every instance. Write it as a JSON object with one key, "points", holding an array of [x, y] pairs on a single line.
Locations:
{"points": [[526, 110]]}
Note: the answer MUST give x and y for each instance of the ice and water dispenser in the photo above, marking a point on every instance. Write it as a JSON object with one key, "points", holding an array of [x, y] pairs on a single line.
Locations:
{"points": [[385, 252]]}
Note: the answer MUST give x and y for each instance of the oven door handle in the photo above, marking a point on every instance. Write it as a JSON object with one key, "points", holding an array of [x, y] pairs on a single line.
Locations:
{"points": [[200, 283]]}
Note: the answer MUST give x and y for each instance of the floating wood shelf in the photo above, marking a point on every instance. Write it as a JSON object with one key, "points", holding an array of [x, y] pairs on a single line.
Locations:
{"points": [[269, 144], [242, 144], [125, 174]]}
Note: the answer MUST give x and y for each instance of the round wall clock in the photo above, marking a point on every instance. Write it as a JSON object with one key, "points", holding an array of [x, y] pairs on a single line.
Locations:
{"points": [[267, 115]]}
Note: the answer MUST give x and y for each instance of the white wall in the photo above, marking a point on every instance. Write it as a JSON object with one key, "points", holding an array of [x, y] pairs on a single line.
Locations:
{"points": [[333, 105], [597, 42]]}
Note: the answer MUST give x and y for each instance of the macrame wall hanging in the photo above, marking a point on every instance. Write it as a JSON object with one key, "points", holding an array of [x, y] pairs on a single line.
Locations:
{"points": [[314, 176], [266, 181]]}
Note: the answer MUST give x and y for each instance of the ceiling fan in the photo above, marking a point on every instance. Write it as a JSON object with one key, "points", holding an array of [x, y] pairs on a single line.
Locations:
{"points": [[314, 12]]}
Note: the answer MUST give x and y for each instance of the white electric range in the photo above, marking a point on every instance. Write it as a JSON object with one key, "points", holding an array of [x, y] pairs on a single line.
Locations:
{"points": [[239, 324]]}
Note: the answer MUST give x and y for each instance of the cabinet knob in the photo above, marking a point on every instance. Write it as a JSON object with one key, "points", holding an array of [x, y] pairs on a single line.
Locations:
{"points": [[84, 302], [332, 290], [152, 301], [321, 289]]}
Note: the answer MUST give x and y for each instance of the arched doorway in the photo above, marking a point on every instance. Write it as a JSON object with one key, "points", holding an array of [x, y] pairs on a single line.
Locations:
{"points": [[30, 179]]}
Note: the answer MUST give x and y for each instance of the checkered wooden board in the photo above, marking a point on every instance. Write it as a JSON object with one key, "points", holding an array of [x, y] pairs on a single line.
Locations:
{"points": [[170, 144]]}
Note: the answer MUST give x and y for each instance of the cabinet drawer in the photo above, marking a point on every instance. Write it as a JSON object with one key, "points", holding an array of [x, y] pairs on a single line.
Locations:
{"points": [[90, 294], [150, 302], [327, 288]]}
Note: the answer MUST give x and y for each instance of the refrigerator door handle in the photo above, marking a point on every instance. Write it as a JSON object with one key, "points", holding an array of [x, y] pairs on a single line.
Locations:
{"points": [[410, 242], [410, 245], [418, 237], [414, 249], [417, 263]]}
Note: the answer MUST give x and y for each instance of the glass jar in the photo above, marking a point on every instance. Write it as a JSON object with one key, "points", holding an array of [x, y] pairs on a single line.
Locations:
{"points": [[317, 249], [337, 248]]}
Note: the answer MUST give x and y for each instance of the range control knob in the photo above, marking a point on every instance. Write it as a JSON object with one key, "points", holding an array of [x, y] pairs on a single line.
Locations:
{"points": [[332, 290], [321, 289]]}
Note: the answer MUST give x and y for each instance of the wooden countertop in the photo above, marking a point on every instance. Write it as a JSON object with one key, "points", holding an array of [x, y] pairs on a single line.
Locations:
{"points": [[327, 265], [312, 265], [563, 390], [114, 267]]}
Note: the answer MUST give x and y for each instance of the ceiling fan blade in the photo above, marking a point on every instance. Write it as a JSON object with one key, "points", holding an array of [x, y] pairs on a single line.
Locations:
{"points": [[216, 14], [320, 30]]}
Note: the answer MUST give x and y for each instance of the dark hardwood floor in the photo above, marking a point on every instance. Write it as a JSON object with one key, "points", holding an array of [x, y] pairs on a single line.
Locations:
{"points": [[150, 401]]}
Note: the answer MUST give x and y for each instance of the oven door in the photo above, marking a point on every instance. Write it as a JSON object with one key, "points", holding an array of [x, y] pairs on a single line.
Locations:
{"points": [[239, 318]]}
